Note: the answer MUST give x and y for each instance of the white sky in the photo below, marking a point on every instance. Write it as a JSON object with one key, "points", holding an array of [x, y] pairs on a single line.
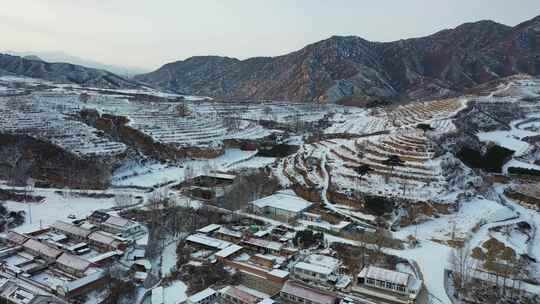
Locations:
{"points": [[149, 33]]}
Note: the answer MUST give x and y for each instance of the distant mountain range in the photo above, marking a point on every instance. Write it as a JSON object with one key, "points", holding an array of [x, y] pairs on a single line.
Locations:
{"points": [[34, 67], [444, 64], [60, 56]]}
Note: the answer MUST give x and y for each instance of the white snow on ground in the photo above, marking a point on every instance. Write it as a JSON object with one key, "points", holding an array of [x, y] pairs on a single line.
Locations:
{"points": [[510, 139], [471, 214], [519, 164], [357, 214], [57, 207], [505, 139], [430, 256], [169, 259], [533, 218], [23, 79], [148, 175], [255, 162], [175, 293], [153, 174], [356, 123], [432, 259]]}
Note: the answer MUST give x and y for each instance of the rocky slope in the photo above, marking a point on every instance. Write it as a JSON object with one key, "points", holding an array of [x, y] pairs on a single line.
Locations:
{"points": [[443, 64], [62, 73]]}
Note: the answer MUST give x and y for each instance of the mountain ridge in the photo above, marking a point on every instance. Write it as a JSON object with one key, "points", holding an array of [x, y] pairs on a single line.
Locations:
{"points": [[439, 65], [63, 57], [62, 73]]}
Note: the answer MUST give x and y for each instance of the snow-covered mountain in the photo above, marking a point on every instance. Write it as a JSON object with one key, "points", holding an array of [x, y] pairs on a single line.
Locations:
{"points": [[444, 64], [62, 73], [60, 56]]}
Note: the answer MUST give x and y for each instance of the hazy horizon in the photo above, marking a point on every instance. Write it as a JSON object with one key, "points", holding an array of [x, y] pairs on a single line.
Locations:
{"points": [[143, 34]]}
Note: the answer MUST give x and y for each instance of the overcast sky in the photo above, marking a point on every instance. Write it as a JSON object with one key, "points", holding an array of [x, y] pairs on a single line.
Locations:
{"points": [[149, 33]]}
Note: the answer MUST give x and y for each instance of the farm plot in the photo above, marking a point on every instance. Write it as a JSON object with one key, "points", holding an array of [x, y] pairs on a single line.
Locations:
{"points": [[206, 124], [277, 112], [418, 177], [437, 113], [510, 119]]}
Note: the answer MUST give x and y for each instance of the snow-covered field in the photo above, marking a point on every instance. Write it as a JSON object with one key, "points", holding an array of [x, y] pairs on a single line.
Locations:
{"points": [[509, 139], [519, 164], [30, 116], [154, 174], [474, 213], [58, 207]]}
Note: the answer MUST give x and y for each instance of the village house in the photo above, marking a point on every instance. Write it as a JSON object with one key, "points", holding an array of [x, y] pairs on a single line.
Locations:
{"points": [[317, 269], [311, 272], [121, 226], [240, 295], [210, 186], [104, 242], [93, 280], [203, 241], [229, 235], [115, 225], [15, 239], [262, 260], [105, 259], [209, 229], [72, 231], [229, 252], [214, 179], [37, 248], [98, 217], [18, 291], [382, 283], [207, 296], [281, 206], [262, 246], [294, 292], [72, 264]]}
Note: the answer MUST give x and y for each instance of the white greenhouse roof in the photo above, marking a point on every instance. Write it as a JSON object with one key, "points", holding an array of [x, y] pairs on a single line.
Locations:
{"points": [[288, 202]]}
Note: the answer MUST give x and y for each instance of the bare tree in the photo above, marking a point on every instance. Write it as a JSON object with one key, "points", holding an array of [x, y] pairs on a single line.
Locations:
{"points": [[462, 266], [183, 110], [376, 254]]}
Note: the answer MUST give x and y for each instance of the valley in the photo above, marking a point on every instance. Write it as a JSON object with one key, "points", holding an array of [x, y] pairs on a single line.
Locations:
{"points": [[433, 179], [403, 169]]}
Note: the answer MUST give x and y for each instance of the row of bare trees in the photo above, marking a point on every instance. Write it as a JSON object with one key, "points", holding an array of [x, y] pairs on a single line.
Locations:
{"points": [[495, 276]]}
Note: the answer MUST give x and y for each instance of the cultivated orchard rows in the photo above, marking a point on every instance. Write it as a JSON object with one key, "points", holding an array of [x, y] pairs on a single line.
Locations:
{"points": [[53, 116], [418, 177], [29, 116]]}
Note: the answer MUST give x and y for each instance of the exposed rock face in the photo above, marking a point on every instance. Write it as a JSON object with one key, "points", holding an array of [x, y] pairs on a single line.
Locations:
{"points": [[62, 73], [443, 64]]}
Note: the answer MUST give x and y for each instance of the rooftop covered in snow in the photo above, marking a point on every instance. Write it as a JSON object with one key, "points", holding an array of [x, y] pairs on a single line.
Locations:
{"points": [[283, 201]]}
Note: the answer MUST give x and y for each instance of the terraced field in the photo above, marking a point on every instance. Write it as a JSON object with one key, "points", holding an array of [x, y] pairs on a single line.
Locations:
{"points": [[419, 177], [436, 113], [29, 116], [381, 134], [53, 115]]}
